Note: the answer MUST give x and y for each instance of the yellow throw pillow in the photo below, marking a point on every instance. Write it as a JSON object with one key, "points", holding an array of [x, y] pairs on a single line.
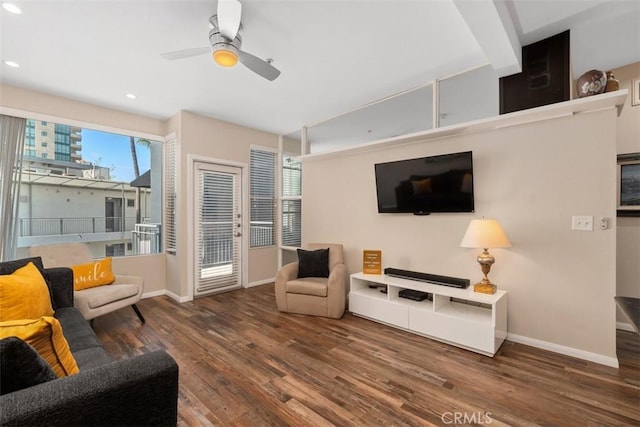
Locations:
{"points": [[24, 295], [45, 335], [93, 274]]}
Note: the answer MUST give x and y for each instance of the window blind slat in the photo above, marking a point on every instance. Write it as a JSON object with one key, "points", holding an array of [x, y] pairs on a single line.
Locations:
{"points": [[170, 193], [263, 198]]}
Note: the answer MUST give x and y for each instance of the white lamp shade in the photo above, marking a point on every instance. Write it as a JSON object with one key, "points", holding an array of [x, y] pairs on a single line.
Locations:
{"points": [[485, 233]]}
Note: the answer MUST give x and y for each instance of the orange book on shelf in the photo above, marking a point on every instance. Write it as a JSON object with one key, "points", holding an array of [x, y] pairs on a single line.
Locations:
{"points": [[372, 262]]}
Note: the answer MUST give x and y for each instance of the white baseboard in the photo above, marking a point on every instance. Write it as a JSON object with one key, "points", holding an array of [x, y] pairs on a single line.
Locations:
{"points": [[167, 293], [260, 283], [625, 326], [153, 294], [176, 297], [567, 351]]}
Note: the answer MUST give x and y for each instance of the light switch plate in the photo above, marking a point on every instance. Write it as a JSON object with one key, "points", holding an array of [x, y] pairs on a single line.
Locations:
{"points": [[582, 223]]}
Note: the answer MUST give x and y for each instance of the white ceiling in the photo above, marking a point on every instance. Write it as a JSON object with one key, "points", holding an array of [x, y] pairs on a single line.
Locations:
{"points": [[334, 55]]}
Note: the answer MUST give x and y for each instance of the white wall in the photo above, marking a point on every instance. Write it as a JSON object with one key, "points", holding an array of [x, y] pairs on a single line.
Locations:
{"points": [[58, 107], [151, 267], [532, 178]]}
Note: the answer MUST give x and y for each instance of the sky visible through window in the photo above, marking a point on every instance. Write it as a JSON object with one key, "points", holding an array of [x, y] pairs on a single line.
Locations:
{"points": [[113, 151]]}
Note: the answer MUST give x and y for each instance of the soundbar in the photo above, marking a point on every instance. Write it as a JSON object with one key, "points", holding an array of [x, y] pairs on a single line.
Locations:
{"points": [[453, 282]]}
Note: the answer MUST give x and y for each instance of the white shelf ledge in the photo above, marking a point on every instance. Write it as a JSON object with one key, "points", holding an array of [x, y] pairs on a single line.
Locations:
{"points": [[546, 112]]}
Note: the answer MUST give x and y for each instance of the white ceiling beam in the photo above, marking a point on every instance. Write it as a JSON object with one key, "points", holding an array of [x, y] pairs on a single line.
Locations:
{"points": [[492, 26]]}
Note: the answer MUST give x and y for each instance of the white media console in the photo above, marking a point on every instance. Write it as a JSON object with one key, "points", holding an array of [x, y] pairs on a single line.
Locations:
{"points": [[460, 317]]}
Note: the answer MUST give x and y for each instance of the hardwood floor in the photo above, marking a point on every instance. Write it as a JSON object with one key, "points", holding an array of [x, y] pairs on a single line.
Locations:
{"points": [[244, 363]]}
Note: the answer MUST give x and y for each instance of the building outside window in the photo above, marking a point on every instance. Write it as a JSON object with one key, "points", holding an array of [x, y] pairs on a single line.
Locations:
{"points": [[66, 195], [116, 249], [30, 134]]}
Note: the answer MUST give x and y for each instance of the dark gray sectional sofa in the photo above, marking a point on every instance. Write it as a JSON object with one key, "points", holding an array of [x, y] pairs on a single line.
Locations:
{"points": [[133, 392]]}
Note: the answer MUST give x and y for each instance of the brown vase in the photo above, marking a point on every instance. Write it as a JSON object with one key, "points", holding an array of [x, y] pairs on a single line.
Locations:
{"points": [[612, 83]]}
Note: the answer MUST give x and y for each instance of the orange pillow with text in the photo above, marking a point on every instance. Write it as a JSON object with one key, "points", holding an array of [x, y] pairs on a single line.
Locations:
{"points": [[92, 274]]}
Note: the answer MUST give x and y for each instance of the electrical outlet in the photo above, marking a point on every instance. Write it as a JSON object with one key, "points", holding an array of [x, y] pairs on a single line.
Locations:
{"points": [[582, 223]]}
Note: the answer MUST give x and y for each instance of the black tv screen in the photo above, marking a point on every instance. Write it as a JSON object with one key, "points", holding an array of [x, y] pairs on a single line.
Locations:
{"points": [[425, 185]]}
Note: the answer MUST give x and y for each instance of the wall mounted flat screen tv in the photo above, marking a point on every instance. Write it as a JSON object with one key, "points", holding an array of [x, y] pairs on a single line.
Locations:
{"points": [[428, 184]]}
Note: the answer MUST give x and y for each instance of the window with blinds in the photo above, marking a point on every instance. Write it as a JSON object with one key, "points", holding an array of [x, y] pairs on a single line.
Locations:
{"points": [[170, 191], [291, 200], [262, 170]]}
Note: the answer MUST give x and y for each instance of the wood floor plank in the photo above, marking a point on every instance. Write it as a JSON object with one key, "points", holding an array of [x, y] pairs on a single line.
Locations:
{"points": [[243, 363]]}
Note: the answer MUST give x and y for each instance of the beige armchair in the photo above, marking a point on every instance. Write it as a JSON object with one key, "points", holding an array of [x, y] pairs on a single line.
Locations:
{"points": [[317, 296], [93, 302]]}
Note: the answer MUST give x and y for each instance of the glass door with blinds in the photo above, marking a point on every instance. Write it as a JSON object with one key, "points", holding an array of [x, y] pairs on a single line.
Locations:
{"points": [[217, 228]]}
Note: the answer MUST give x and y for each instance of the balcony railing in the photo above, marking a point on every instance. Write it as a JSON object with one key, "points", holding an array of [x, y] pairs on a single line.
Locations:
{"points": [[262, 234], [146, 239], [217, 238], [216, 242], [56, 226]]}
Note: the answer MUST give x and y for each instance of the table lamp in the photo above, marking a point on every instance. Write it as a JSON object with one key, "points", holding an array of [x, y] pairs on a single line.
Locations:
{"points": [[485, 234]]}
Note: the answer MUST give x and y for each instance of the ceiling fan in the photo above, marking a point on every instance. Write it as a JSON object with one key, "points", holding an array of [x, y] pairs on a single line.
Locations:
{"points": [[225, 43]]}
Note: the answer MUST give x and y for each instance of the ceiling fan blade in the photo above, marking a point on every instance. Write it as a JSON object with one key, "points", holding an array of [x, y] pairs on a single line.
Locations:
{"points": [[259, 66], [229, 13], [185, 53]]}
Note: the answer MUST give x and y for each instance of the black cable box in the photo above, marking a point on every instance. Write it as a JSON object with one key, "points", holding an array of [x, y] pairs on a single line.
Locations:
{"points": [[415, 295], [454, 282]]}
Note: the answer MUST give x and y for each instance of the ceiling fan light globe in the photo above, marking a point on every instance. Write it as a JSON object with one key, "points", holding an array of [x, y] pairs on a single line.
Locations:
{"points": [[225, 58]]}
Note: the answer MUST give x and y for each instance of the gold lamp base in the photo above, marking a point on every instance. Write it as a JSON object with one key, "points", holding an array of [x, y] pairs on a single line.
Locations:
{"points": [[485, 288], [486, 260]]}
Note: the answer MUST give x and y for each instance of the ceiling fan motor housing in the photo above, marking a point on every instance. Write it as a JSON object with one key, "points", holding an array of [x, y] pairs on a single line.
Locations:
{"points": [[218, 41], [227, 52]]}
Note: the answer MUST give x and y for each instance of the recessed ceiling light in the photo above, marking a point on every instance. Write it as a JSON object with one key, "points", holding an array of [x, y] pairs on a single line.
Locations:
{"points": [[131, 96], [12, 64], [10, 7]]}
